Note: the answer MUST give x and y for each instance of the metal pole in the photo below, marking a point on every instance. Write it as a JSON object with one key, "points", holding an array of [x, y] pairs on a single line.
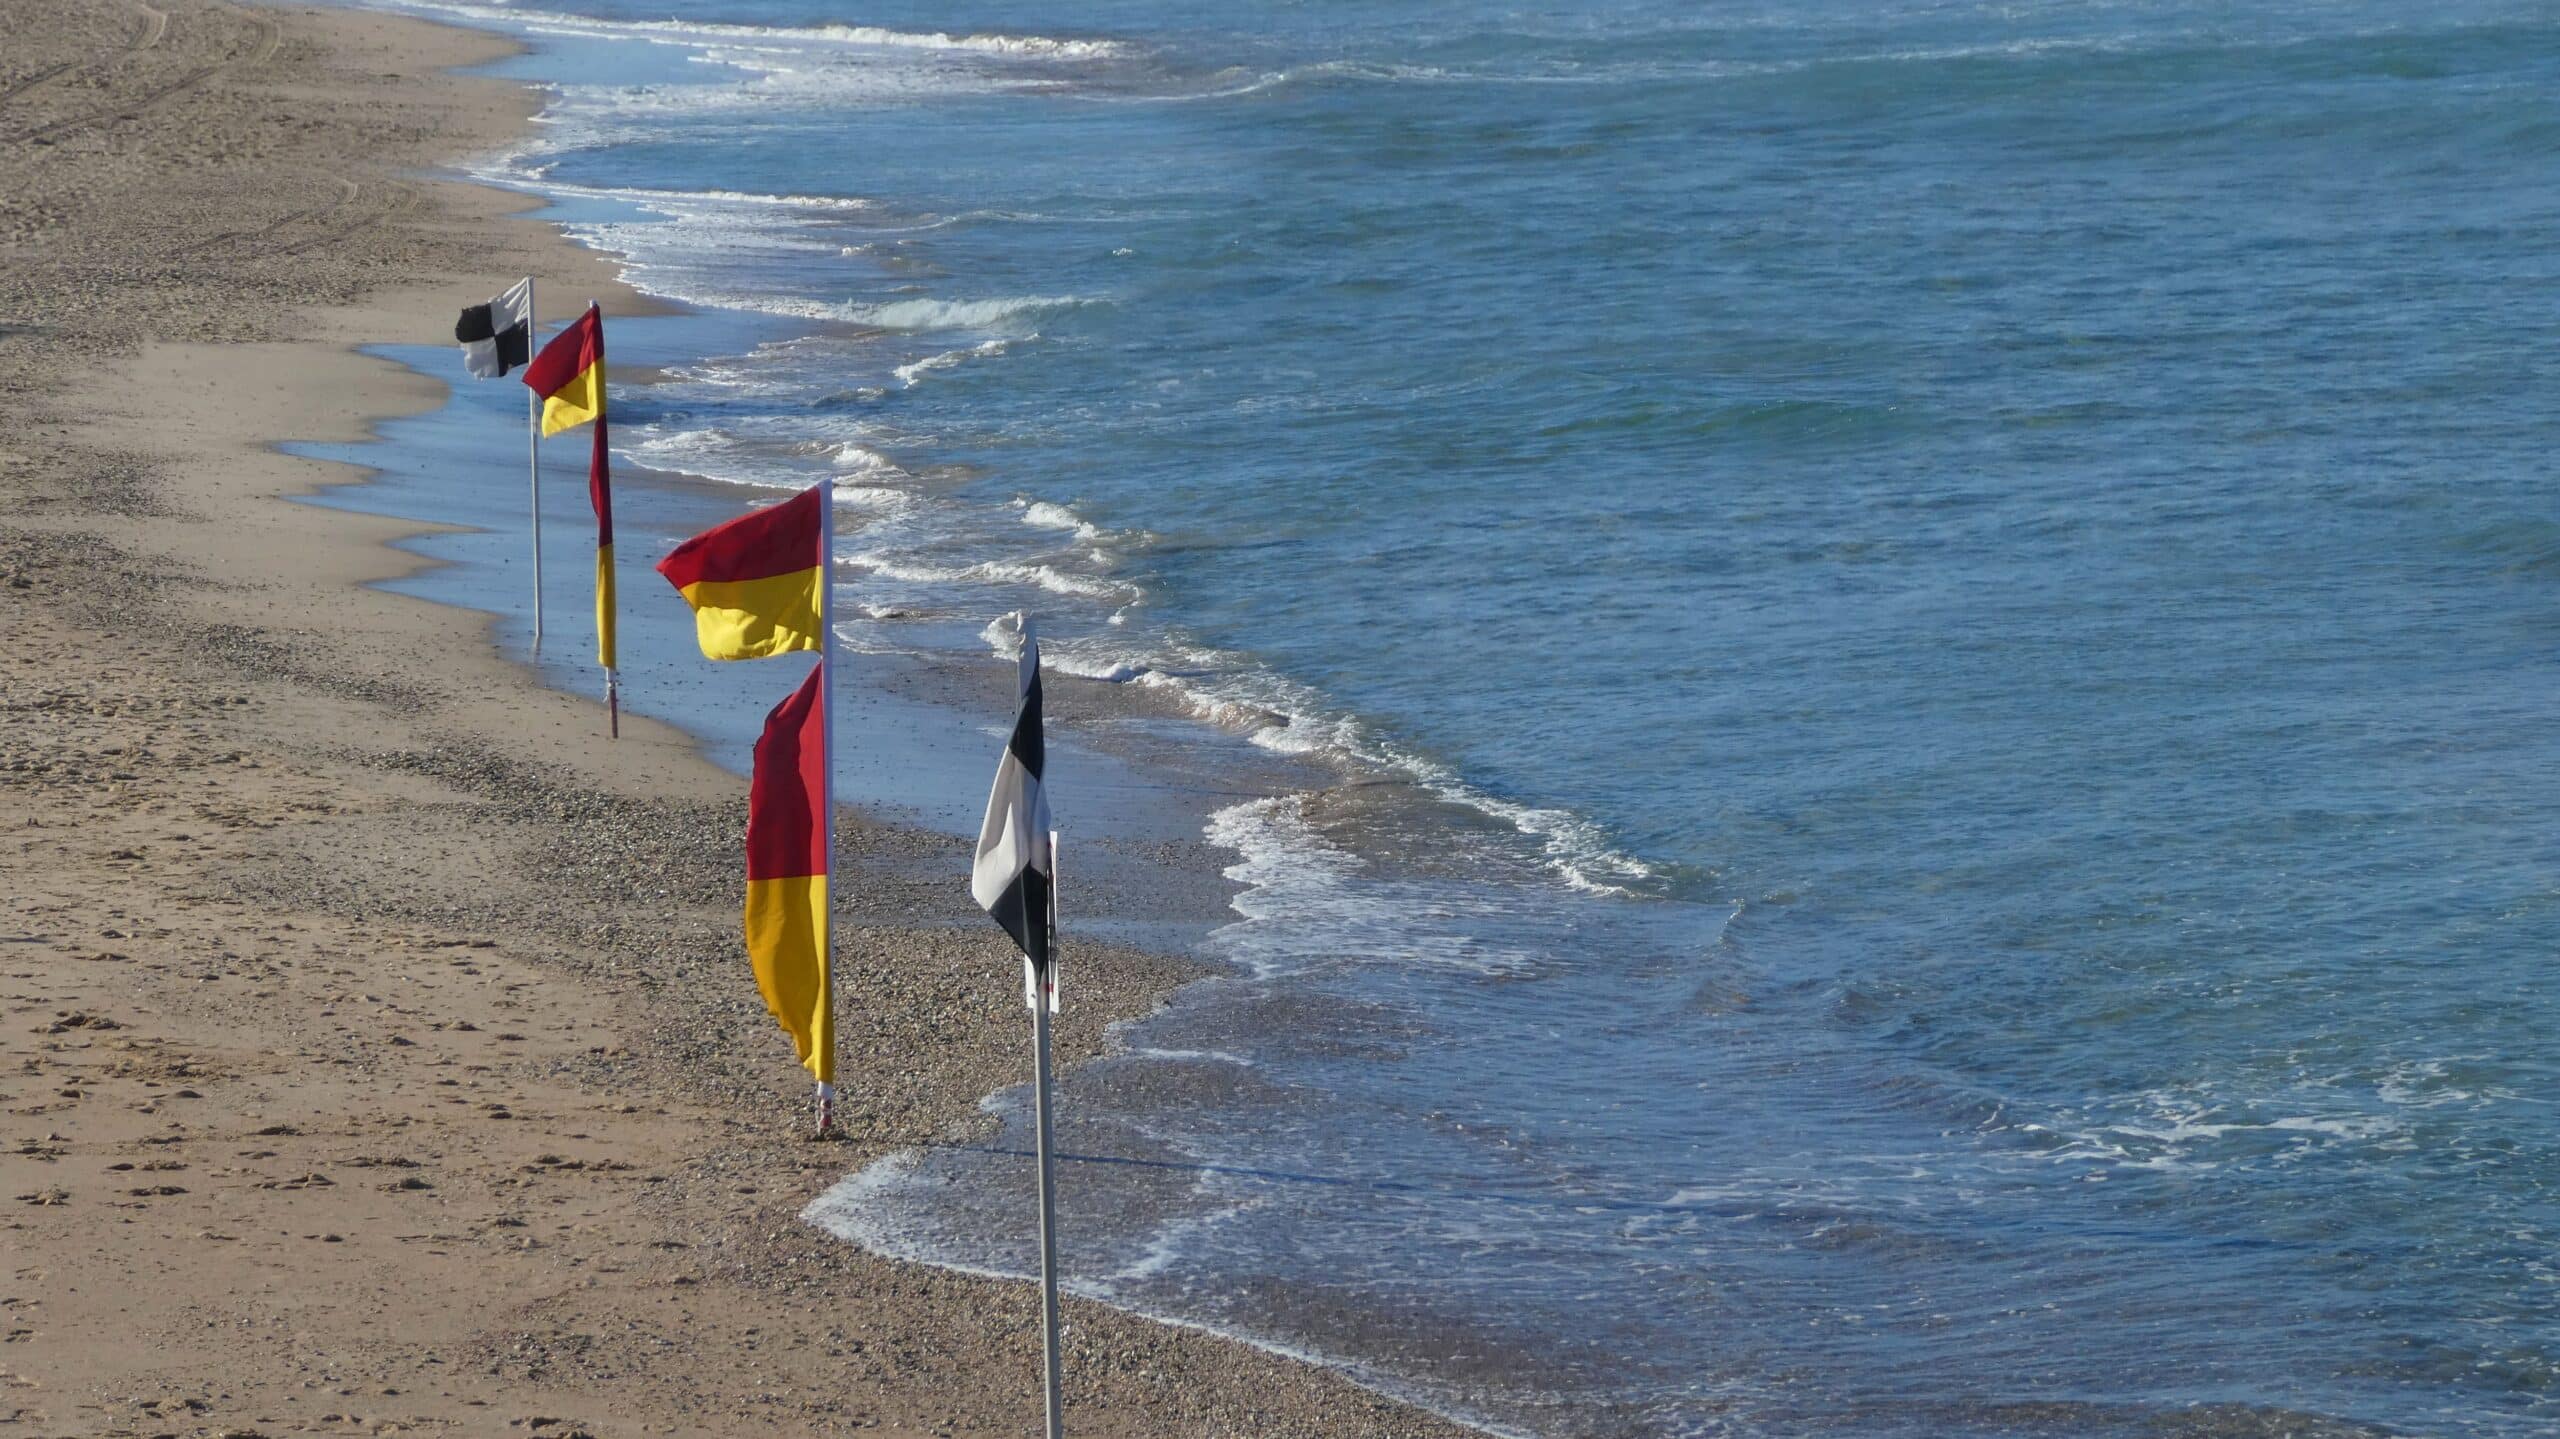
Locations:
{"points": [[1048, 1175], [827, 786], [533, 457], [603, 461]]}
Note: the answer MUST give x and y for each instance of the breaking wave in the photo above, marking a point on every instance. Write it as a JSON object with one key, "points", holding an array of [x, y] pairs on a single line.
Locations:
{"points": [[914, 371], [953, 314], [874, 37], [1279, 714]]}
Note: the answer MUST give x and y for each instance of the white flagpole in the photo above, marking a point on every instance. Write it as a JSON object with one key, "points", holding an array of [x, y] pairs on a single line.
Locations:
{"points": [[1048, 1174], [533, 456], [827, 769]]}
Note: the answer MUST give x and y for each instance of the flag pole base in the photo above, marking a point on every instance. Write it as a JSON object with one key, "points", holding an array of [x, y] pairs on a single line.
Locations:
{"points": [[612, 705], [826, 1113]]}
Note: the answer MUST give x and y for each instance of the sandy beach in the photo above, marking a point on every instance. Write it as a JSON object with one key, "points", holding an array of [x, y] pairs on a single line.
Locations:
{"points": [[378, 1054]]}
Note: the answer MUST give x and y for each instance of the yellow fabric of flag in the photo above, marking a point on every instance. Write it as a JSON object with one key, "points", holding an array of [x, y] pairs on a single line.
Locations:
{"points": [[605, 609], [787, 855], [750, 619], [754, 582], [575, 403], [569, 374], [787, 948]]}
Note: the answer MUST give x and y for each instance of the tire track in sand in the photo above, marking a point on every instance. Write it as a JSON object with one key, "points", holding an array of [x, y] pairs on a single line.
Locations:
{"points": [[155, 24], [347, 189], [270, 39], [403, 199]]}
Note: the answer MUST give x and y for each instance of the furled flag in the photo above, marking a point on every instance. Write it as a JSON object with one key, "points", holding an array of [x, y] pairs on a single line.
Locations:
{"points": [[569, 376], [787, 875], [1011, 876], [496, 337], [753, 582]]}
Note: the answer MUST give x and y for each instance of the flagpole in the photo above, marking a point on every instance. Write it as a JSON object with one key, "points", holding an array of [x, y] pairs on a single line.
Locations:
{"points": [[827, 782], [1048, 1173], [533, 458], [603, 457]]}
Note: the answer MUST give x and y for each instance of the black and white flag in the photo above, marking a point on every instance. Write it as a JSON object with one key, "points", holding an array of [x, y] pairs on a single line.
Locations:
{"points": [[498, 336], [1011, 877]]}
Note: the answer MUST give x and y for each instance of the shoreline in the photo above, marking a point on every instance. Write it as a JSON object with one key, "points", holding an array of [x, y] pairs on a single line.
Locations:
{"points": [[1576, 1164], [186, 623]]}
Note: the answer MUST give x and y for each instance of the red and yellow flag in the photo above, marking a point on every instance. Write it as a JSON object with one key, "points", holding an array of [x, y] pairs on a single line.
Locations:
{"points": [[569, 376], [787, 875], [754, 582]]}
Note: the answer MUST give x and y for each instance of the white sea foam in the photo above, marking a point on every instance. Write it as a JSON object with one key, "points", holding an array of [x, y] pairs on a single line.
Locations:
{"points": [[1043, 576], [880, 1208], [870, 37], [1278, 714], [694, 451], [1057, 517], [863, 460], [910, 373], [683, 200], [1311, 904], [874, 37], [877, 498], [1210, 1056], [1109, 671], [921, 314], [2188, 1130], [1175, 1242]]}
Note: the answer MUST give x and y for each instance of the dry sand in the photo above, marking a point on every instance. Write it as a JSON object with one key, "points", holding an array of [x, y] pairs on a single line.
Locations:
{"points": [[376, 1056]]}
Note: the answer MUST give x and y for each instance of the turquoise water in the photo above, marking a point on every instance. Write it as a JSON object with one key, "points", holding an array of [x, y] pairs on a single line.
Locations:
{"points": [[1936, 616]]}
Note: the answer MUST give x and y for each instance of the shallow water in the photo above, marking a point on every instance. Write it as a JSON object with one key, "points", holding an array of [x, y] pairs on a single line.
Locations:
{"points": [[1945, 607]]}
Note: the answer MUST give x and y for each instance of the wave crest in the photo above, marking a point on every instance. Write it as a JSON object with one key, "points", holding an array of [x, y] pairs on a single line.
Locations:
{"points": [[875, 37], [954, 314]]}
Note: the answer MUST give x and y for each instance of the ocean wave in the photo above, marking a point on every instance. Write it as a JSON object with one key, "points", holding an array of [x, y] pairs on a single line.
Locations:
{"points": [[1237, 81], [688, 450], [1195, 1056], [866, 479], [870, 37], [1038, 47], [1240, 81], [1044, 515], [1041, 576], [1273, 712], [914, 315], [1576, 849], [889, 1208], [1111, 672], [913, 371], [1311, 904], [2193, 1131], [864, 460], [953, 314], [654, 198], [873, 497]]}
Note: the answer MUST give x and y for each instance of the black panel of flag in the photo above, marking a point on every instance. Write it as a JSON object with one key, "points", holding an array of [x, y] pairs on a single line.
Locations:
{"points": [[498, 336], [1011, 877]]}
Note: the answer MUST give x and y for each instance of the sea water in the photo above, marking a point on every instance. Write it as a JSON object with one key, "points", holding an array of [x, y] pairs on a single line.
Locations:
{"points": [[1934, 618]]}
